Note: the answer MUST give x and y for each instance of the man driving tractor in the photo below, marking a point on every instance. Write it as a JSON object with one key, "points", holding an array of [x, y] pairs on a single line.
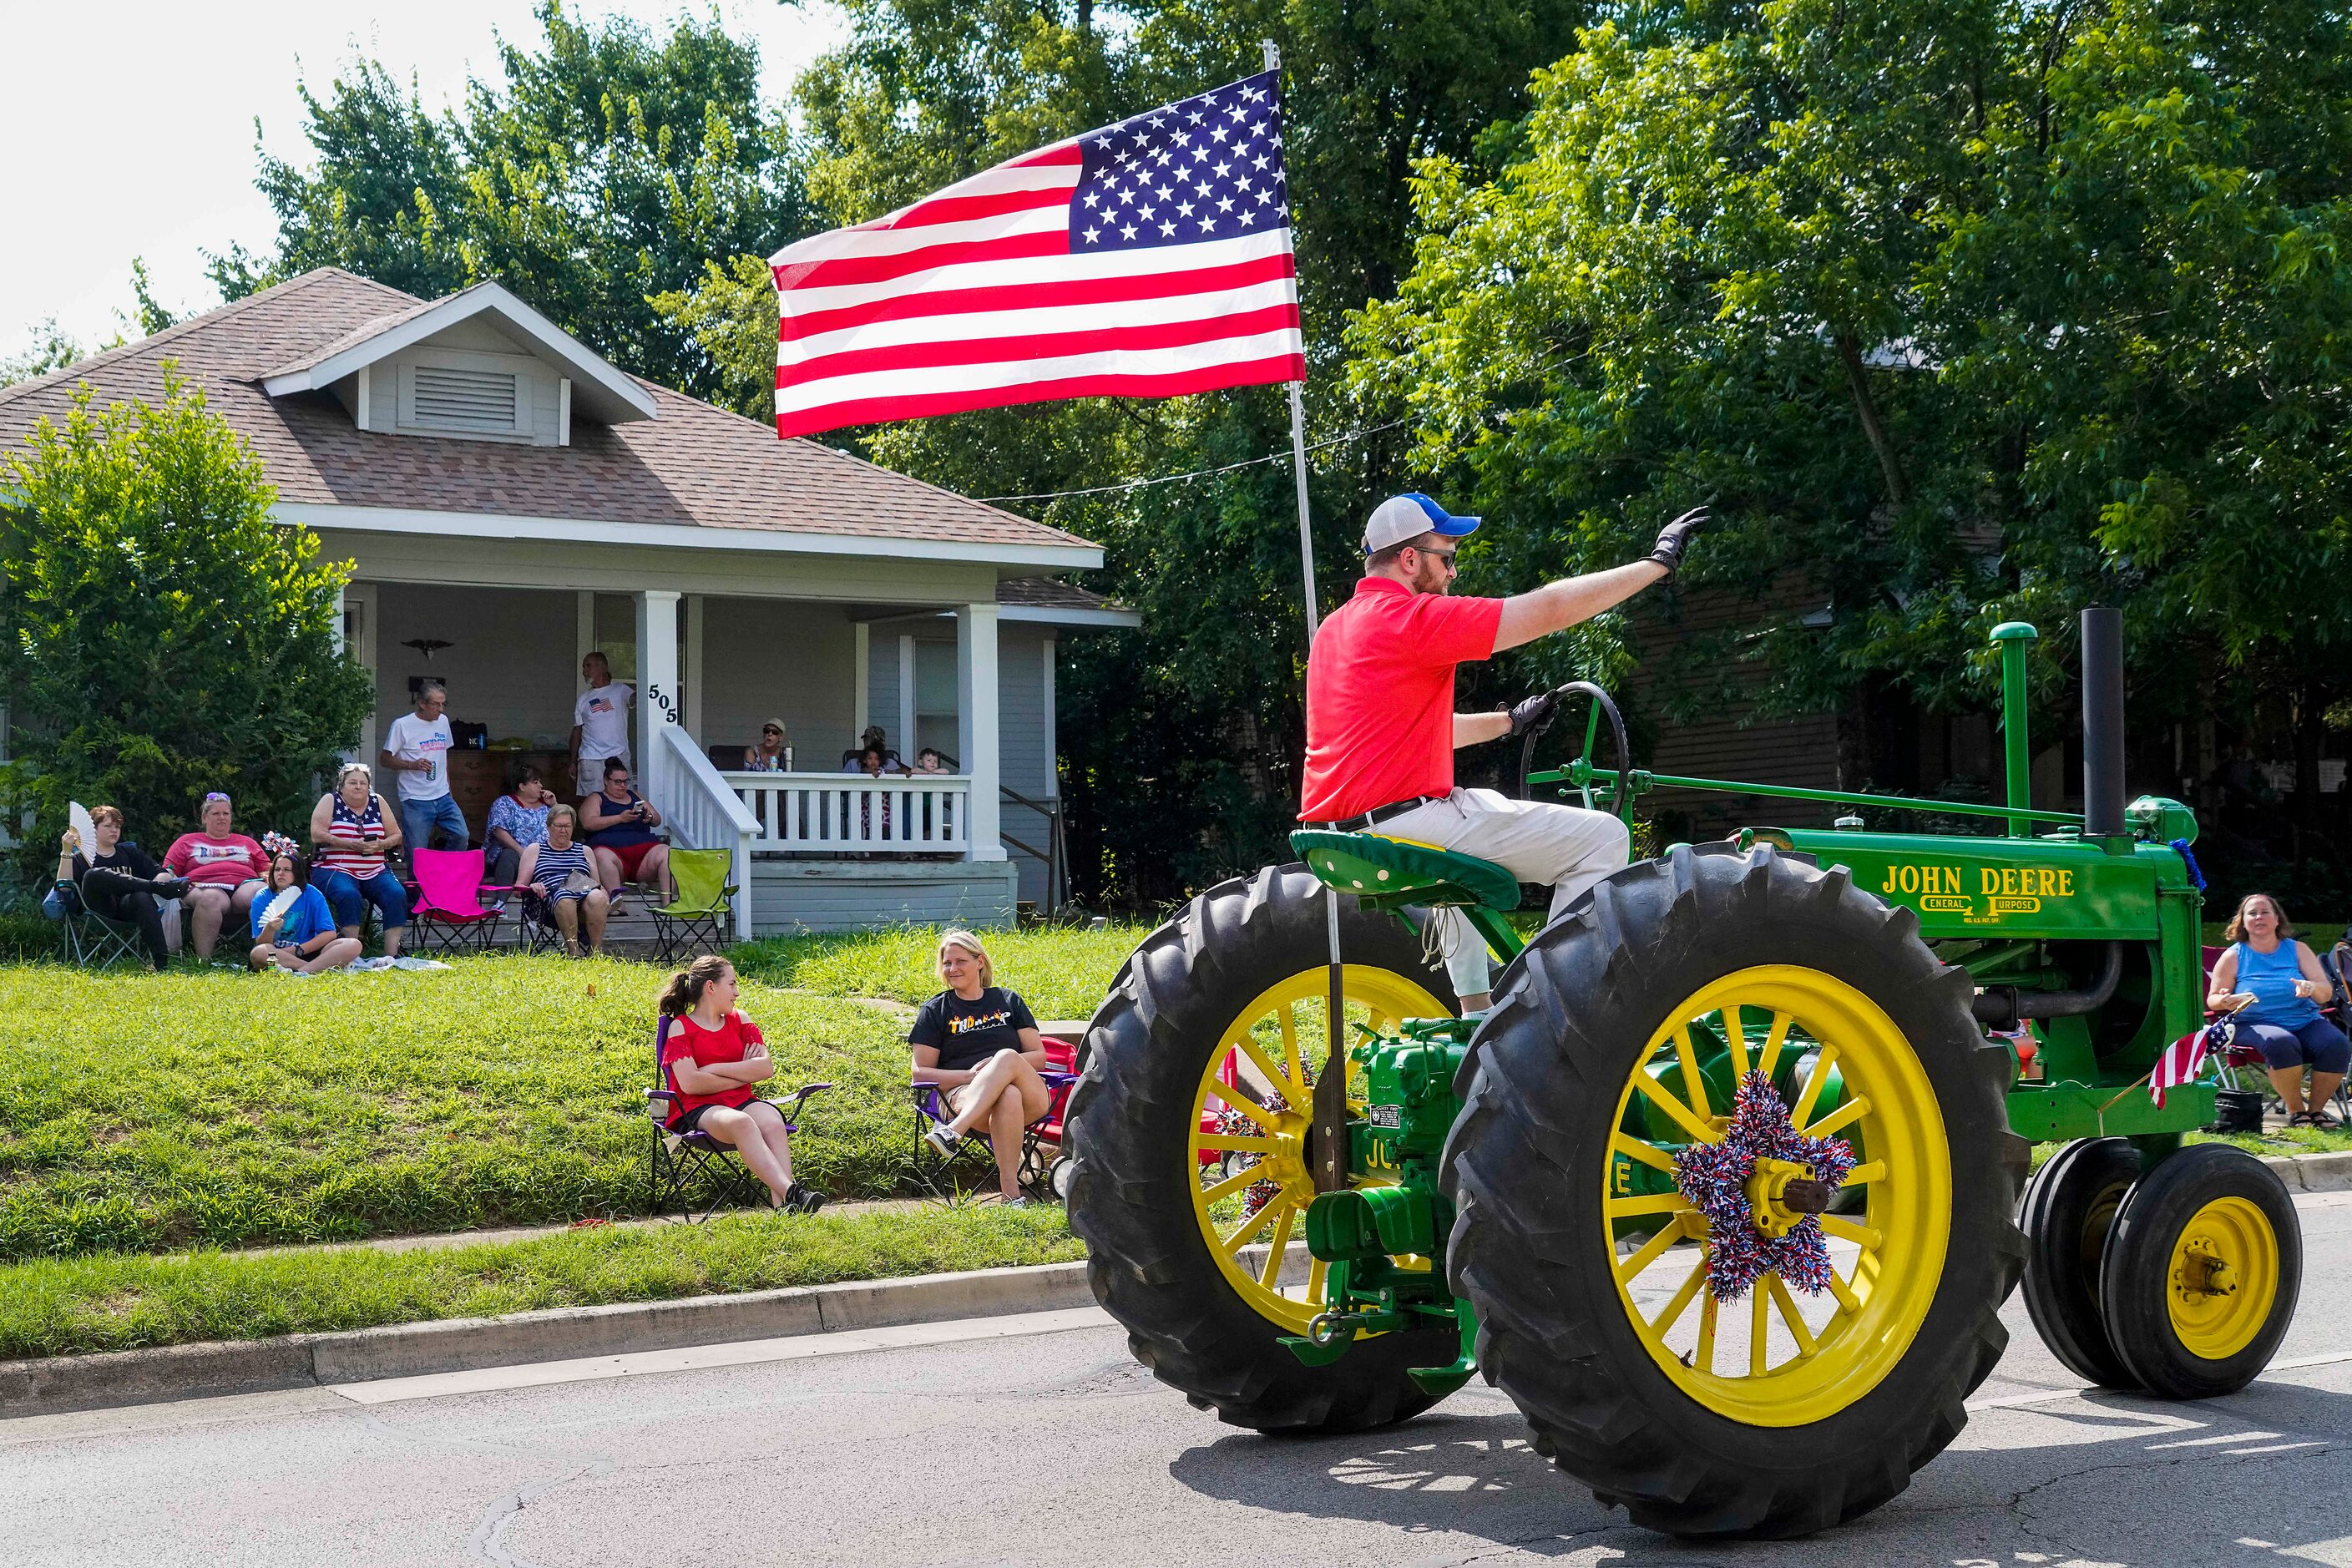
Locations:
{"points": [[1381, 726]]}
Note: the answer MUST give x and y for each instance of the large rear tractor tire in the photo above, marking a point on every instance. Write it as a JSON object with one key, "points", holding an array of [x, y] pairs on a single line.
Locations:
{"points": [[1220, 1018], [1775, 1413]]}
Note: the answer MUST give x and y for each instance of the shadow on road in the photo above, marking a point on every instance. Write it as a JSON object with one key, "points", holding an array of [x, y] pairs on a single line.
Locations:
{"points": [[2259, 1478]]}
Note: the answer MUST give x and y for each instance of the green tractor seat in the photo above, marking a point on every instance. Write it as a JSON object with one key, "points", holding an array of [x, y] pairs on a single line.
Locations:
{"points": [[1394, 872]]}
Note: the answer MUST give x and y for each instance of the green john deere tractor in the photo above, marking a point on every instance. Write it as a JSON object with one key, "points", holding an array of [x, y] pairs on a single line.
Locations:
{"points": [[1724, 1188]]}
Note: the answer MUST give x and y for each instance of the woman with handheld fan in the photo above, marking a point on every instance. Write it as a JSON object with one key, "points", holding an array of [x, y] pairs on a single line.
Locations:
{"points": [[293, 929]]}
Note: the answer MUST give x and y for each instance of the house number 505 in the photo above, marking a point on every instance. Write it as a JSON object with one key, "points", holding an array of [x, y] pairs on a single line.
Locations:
{"points": [[661, 700]]}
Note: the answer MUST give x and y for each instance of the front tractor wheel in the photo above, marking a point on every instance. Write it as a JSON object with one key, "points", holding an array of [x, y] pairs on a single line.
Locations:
{"points": [[1605, 1095], [1191, 1171]]}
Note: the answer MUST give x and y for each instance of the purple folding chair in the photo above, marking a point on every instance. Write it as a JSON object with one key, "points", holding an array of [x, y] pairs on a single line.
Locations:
{"points": [[684, 1162]]}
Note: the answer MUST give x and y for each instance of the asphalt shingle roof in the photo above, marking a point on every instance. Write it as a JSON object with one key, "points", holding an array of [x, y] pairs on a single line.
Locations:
{"points": [[693, 465]]}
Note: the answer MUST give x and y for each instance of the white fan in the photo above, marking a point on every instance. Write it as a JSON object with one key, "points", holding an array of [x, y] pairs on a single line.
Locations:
{"points": [[279, 902], [78, 818]]}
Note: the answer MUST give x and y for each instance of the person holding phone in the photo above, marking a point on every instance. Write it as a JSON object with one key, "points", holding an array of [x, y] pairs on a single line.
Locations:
{"points": [[296, 933], [620, 823]]}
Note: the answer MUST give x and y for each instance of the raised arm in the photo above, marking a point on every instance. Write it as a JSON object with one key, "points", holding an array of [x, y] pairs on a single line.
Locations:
{"points": [[1558, 606]]}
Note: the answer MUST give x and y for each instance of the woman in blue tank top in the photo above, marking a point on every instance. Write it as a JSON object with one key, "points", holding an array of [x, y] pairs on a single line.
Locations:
{"points": [[2274, 984]]}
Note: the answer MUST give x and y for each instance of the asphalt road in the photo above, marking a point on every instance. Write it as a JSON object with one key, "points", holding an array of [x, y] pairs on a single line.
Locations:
{"points": [[1037, 1440]]}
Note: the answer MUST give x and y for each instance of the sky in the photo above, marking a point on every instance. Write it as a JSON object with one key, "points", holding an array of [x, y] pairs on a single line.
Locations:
{"points": [[134, 124]]}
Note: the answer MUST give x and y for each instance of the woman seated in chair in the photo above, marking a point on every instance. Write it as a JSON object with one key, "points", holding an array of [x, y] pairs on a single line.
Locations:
{"points": [[518, 820], [299, 934], [2272, 985], [712, 1058], [979, 1043], [352, 831], [225, 870], [561, 877], [121, 881]]}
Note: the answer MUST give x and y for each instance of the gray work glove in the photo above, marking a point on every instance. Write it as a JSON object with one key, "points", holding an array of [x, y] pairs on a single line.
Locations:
{"points": [[1533, 713], [1675, 537]]}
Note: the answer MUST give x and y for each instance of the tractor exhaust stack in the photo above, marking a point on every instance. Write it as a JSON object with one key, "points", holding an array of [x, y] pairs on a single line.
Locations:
{"points": [[2102, 722]]}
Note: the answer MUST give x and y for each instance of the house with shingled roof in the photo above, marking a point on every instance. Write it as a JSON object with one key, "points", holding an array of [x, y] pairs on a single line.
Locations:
{"points": [[511, 501]]}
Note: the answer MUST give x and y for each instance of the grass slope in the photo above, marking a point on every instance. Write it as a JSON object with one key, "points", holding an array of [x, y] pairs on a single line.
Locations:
{"points": [[67, 1306], [143, 1113]]}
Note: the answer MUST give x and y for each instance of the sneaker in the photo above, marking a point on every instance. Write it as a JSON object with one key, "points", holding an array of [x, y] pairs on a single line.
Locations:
{"points": [[1020, 1202], [939, 1138], [801, 1198], [173, 887]]}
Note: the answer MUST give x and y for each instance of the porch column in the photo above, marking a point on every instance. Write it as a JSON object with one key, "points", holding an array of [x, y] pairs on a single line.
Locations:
{"points": [[976, 723], [656, 687]]}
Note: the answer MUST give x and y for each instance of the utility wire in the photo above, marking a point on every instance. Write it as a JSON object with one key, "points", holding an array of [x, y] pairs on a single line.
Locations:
{"points": [[1198, 473]]}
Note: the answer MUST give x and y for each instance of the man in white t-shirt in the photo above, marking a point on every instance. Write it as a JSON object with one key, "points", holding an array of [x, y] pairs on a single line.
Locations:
{"points": [[417, 747], [600, 724]]}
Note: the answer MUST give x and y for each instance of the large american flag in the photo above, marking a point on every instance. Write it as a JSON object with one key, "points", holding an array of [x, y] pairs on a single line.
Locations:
{"points": [[1146, 259]]}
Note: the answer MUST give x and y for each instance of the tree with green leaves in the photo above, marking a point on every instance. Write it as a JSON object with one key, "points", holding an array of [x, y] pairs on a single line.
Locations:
{"points": [[1958, 312], [164, 636]]}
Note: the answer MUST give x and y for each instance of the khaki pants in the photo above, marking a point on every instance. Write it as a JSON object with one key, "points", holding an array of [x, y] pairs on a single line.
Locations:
{"points": [[1564, 845]]}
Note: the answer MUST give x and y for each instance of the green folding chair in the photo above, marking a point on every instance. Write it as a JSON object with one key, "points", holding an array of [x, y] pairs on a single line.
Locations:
{"points": [[702, 917]]}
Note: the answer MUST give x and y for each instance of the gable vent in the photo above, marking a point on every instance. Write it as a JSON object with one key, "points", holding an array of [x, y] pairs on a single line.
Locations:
{"points": [[455, 399]]}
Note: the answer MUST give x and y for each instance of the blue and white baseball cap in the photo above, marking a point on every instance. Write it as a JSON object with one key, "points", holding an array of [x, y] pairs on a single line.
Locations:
{"points": [[1402, 518]]}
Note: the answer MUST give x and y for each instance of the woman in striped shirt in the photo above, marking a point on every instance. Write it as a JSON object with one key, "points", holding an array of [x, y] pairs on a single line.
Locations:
{"points": [[353, 829], [561, 876]]}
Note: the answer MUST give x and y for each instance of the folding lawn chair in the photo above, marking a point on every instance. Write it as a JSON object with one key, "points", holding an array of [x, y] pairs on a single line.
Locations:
{"points": [[1040, 1173], [445, 907], [702, 916], [680, 1162], [93, 941]]}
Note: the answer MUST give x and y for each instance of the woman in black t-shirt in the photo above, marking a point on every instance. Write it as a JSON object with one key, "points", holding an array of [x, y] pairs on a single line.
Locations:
{"points": [[979, 1042]]}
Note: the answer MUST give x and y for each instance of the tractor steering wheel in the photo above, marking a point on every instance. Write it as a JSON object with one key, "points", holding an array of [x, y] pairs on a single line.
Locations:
{"points": [[1622, 796]]}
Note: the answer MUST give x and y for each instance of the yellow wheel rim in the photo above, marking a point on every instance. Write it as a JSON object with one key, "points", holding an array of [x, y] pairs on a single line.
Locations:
{"points": [[1271, 1049], [2222, 1279], [1777, 1357]]}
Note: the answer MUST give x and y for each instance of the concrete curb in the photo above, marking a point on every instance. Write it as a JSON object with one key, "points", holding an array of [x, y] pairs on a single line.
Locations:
{"points": [[55, 1384]]}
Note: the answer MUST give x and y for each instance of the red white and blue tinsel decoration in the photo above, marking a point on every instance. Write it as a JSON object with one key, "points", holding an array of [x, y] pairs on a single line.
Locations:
{"points": [[1714, 1177]]}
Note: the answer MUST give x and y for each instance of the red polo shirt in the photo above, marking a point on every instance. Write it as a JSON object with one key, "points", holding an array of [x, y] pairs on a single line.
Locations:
{"points": [[1379, 695]]}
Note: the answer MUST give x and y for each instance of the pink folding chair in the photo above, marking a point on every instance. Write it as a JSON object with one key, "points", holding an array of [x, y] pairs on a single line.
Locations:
{"points": [[445, 906]]}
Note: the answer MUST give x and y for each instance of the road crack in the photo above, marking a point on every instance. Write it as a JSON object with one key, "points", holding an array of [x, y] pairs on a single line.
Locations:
{"points": [[487, 1543]]}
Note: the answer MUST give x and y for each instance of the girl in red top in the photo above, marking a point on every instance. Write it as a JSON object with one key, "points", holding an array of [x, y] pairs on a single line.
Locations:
{"points": [[712, 1058]]}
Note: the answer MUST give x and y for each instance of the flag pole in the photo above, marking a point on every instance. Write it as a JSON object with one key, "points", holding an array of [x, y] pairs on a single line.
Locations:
{"points": [[1298, 433]]}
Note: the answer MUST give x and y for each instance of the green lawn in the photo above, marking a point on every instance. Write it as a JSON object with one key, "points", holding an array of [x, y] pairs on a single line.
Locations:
{"points": [[144, 1114], [64, 1306]]}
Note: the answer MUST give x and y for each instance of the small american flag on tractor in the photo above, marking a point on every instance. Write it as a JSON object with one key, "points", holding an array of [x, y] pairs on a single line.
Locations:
{"points": [[1149, 258]]}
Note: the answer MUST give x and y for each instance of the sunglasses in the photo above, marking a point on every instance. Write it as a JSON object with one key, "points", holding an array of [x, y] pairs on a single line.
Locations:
{"points": [[215, 796], [771, 730]]}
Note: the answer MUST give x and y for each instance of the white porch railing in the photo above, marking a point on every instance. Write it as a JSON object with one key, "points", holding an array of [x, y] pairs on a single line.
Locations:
{"points": [[705, 813], [922, 814]]}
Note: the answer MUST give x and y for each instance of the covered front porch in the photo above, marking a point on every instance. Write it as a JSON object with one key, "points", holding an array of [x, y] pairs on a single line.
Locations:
{"points": [[716, 649]]}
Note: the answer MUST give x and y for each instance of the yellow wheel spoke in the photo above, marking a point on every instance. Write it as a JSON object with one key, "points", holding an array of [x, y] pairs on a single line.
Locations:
{"points": [[1791, 1316], [1230, 1145], [1659, 1097], [1692, 1085], [1240, 1100], [1667, 1235], [1275, 1077], [1862, 1175], [1813, 1085], [1297, 1064], [1315, 1281], [1650, 1154], [1247, 1228], [1757, 1303], [1846, 1299], [1648, 1202], [1733, 1037], [1854, 1110], [1674, 1308], [1846, 1230], [1232, 1184], [1704, 1360], [1273, 1269], [1770, 1057]]}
